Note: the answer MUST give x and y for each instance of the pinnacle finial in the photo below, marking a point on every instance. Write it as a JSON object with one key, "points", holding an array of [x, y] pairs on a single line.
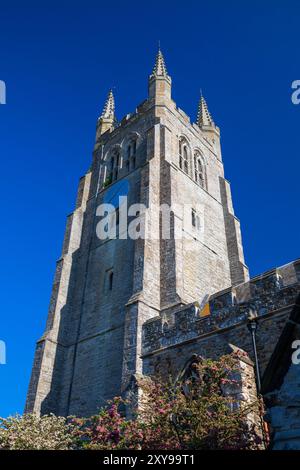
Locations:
{"points": [[160, 69], [204, 117], [109, 107]]}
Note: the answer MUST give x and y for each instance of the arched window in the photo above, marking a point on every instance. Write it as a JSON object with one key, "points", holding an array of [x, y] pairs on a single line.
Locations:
{"points": [[189, 374], [131, 155], [117, 155], [133, 161], [113, 165], [183, 156], [185, 159], [180, 156], [199, 169]]}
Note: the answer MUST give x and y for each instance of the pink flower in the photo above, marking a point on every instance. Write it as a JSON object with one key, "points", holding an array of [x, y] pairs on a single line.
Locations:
{"points": [[100, 429]]}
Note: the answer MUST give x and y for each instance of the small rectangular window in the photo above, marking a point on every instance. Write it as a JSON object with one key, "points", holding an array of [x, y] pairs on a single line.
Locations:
{"points": [[110, 280], [193, 218]]}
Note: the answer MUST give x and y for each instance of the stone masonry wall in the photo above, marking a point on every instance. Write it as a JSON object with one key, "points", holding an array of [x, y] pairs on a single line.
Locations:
{"points": [[284, 412], [172, 338]]}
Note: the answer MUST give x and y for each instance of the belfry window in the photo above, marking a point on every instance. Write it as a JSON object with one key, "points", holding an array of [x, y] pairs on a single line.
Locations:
{"points": [[117, 159], [180, 156], [183, 156], [133, 163], [113, 166], [131, 156], [199, 170], [185, 160], [112, 163]]}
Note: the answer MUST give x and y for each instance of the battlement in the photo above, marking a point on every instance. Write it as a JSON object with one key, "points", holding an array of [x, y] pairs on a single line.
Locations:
{"points": [[266, 293]]}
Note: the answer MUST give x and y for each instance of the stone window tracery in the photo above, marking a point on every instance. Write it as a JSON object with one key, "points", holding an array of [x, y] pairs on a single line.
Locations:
{"points": [[199, 170], [113, 166], [183, 155], [131, 155]]}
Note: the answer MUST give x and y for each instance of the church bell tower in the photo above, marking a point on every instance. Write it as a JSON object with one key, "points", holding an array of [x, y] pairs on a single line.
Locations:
{"points": [[105, 289]]}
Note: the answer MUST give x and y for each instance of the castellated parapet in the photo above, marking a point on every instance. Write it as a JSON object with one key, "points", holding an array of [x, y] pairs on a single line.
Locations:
{"points": [[170, 339]]}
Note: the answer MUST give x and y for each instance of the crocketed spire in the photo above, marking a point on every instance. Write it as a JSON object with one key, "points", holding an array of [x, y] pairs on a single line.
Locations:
{"points": [[109, 107], [160, 69], [159, 81], [204, 118]]}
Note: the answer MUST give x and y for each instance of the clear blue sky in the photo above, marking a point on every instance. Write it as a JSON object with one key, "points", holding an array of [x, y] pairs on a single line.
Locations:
{"points": [[59, 59]]}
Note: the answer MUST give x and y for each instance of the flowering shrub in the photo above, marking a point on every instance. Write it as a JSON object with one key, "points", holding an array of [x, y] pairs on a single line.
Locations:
{"points": [[33, 432], [108, 430], [196, 412]]}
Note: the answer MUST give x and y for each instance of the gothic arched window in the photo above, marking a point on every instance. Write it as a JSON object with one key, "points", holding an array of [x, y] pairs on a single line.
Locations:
{"points": [[113, 165], [131, 155], [199, 169], [183, 156]]}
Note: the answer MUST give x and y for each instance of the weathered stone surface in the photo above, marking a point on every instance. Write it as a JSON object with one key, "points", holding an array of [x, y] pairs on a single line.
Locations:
{"points": [[98, 336], [284, 417], [228, 318]]}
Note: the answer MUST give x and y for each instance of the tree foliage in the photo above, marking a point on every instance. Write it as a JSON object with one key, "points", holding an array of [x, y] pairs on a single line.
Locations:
{"points": [[195, 412], [31, 432]]}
